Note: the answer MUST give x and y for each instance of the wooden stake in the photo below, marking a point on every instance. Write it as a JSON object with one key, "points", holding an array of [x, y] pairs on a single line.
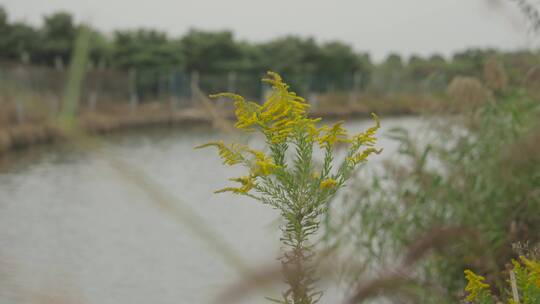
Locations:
{"points": [[513, 282]]}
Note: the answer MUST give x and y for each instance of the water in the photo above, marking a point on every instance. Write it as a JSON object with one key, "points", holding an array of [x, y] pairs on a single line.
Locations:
{"points": [[74, 230]]}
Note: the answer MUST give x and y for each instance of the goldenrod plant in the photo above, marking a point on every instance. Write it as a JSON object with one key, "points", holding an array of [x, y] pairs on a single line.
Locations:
{"points": [[523, 284], [286, 176]]}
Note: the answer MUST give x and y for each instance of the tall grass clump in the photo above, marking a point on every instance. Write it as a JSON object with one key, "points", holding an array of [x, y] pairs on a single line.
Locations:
{"points": [[465, 196], [285, 176]]}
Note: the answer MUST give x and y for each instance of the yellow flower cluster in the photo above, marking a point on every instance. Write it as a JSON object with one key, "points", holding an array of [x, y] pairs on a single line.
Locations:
{"points": [[247, 182], [246, 111], [533, 269], [475, 286], [280, 114], [368, 139], [263, 165], [230, 155], [333, 135], [362, 156], [283, 118], [328, 183]]}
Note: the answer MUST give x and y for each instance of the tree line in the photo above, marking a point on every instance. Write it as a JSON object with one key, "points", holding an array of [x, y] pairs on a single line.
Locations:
{"points": [[331, 65]]}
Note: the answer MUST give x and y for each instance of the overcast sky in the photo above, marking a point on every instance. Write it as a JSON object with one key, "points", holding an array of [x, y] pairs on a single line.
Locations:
{"points": [[379, 27]]}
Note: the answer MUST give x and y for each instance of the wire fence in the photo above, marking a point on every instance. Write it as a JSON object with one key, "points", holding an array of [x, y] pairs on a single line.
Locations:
{"points": [[111, 88]]}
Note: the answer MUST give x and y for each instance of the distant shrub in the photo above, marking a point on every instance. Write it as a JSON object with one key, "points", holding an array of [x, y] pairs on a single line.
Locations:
{"points": [[466, 92], [495, 75]]}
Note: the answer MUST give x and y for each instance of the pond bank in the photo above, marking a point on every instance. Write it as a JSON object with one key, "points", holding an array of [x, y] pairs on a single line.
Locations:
{"points": [[23, 136]]}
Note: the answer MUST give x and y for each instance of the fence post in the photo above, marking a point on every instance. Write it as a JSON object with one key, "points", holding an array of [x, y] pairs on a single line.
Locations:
{"points": [[92, 101], [313, 101], [54, 105], [19, 112], [95, 93], [173, 91], [513, 284], [58, 63], [353, 96], [134, 98], [194, 85], [231, 81], [265, 90]]}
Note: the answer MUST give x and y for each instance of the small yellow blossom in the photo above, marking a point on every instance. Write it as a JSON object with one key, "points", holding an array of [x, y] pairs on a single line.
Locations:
{"points": [[475, 285], [247, 182], [333, 135], [312, 128], [282, 101], [362, 156], [368, 138], [533, 267], [279, 131], [231, 155], [328, 183], [264, 165], [246, 111]]}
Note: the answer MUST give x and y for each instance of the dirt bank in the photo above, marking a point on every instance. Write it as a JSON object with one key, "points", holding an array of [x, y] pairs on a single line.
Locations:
{"points": [[22, 136]]}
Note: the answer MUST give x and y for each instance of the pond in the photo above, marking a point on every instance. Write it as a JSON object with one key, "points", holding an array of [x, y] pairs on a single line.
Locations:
{"points": [[73, 229]]}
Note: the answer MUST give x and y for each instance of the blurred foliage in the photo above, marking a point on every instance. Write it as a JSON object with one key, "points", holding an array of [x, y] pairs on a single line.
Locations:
{"points": [[479, 171], [145, 49]]}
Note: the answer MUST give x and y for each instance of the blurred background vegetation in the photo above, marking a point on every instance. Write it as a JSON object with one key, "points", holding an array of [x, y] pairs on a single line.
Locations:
{"points": [[461, 192], [162, 63]]}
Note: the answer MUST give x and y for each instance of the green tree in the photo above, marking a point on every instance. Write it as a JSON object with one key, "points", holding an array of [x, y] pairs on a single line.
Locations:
{"points": [[144, 49], [101, 49], [338, 63], [58, 36], [18, 40], [290, 55], [210, 52], [469, 62]]}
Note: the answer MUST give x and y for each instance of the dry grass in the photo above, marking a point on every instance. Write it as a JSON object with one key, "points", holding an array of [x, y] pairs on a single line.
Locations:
{"points": [[467, 92], [342, 104]]}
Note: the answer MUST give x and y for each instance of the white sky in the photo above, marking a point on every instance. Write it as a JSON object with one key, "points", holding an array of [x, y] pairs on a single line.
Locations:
{"points": [[379, 27]]}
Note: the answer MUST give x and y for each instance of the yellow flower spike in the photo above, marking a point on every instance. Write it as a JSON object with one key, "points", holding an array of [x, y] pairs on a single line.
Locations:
{"points": [[368, 138], [312, 130], [328, 183], [475, 286], [279, 132], [246, 111], [230, 155], [282, 103], [533, 267], [333, 135], [264, 165], [248, 182], [362, 156]]}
